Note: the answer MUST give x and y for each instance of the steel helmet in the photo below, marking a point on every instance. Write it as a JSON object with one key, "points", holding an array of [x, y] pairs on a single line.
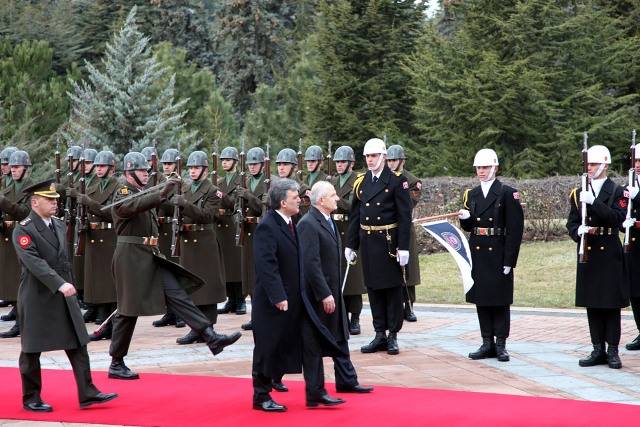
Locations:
{"points": [[75, 151], [255, 155], [229, 153], [6, 153], [135, 161], [147, 152], [395, 152], [287, 155], [344, 153], [599, 154], [19, 158], [485, 157], [170, 155], [104, 158], [89, 155], [375, 146], [313, 153], [198, 158]]}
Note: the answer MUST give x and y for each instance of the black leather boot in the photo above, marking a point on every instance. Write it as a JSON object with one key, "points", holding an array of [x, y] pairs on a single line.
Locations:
{"points": [[228, 307], [241, 306], [634, 345], [10, 316], [487, 349], [409, 315], [104, 334], [11, 333], [217, 342], [180, 323], [247, 326], [192, 337], [354, 324], [613, 359], [597, 357], [119, 371], [379, 343], [166, 320], [91, 314], [392, 344], [501, 350]]}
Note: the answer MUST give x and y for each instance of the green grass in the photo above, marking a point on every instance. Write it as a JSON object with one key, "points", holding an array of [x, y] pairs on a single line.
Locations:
{"points": [[544, 277]]}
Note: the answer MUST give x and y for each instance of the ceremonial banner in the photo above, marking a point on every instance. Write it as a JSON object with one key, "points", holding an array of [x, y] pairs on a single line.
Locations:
{"points": [[456, 243]]}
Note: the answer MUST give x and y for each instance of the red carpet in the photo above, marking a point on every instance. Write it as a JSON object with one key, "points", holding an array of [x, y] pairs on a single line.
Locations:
{"points": [[180, 400]]}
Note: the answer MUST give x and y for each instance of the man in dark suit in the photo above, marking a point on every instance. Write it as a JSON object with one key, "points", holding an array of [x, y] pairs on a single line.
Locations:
{"points": [[322, 295], [48, 309]]}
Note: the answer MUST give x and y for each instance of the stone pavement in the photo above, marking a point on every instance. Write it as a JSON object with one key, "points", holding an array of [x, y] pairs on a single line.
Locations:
{"points": [[545, 346]]}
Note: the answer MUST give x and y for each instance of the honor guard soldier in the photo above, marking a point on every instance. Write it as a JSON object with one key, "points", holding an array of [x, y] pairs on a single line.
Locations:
{"points": [[14, 207], [343, 182], [145, 280], [165, 211], [200, 251], [633, 252], [287, 162], [602, 285], [100, 290], [396, 159], [493, 215], [230, 185], [256, 202], [314, 159], [5, 169], [48, 308], [380, 226]]}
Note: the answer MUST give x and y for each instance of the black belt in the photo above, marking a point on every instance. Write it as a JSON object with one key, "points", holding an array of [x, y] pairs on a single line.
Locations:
{"points": [[252, 219], [197, 227], [491, 231], [100, 225], [137, 240], [602, 231]]}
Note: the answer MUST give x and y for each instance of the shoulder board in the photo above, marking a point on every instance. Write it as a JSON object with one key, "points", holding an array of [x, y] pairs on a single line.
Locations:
{"points": [[25, 221], [398, 173], [124, 191], [465, 198], [357, 183]]}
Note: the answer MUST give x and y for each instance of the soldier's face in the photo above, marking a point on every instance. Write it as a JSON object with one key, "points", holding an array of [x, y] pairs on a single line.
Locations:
{"points": [[142, 175], [87, 166], [484, 173], [74, 164], [150, 164], [254, 168], [6, 170], [44, 206], [374, 162], [393, 164], [637, 166], [284, 169], [342, 166], [291, 205], [102, 170], [228, 164], [195, 172], [312, 165], [17, 171], [597, 170], [167, 168]]}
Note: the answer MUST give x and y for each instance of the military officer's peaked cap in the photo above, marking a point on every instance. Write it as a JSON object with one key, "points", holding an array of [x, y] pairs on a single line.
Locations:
{"points": [[45, 189]]}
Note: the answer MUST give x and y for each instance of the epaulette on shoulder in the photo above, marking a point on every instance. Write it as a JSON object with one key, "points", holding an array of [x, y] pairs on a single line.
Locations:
{"points": [[465, 198], [398, 173], [25, 221], [357, 183], [574, 196], [124, 191]]}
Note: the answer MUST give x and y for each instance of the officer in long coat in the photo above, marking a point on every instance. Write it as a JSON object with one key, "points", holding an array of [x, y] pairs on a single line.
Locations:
{"points": [[5, 182], [200, 250], [380, 226], [146, 280], [100, 290], [14, 206], [633, 254], [396, 159], [602, 283], [47, 305], [493, 215], [343, 182], [229, 185]]}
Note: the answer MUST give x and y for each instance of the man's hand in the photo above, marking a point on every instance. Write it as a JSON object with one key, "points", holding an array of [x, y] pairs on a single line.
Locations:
{"points": [[169, 187], [506, 270], [403, 258], [587, 197], [349, 254], [282, 305], [628, 223], [178, 200], [583, 229], [83, 199], [464, 214], [633, 191], [329, 304], [67, 289]]}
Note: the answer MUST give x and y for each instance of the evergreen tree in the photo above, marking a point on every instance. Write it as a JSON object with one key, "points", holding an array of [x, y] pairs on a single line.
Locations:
{"points": [[119, 106]]}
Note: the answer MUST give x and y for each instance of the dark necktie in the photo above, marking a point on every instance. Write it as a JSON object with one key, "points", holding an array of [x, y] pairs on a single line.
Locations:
{"points": [[53, 229], [375, 179], [291, 229], [331, 226]]}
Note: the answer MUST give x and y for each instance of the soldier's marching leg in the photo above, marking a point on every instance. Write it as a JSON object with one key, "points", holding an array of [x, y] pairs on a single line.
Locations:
{"points": [[167, 319], [488, 347], [241, 304], [394, 317], [123, 327], [597, 332], [635, 305], [501, 326], [192, 337], [612, 337], [353, 305], [230, 305], [409, 299], [30, 375], [107, 332]]}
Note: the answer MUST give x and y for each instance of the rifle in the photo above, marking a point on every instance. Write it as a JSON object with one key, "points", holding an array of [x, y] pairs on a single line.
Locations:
{"points": [[69, 215], [584, 182], [266, 170], [81, 211], [214, 162], [239, 207], [632, 183], [176, 221], [58, 174], [329, 163], [153, 179], [300, 160]]}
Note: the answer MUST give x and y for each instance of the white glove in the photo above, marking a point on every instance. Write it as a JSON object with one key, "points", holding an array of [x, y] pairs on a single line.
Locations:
{"points": [[628, 223], [587, 197], [349, 254], [464, 214], [403, 258], [506, 270], [583, 229], [633, 191]]}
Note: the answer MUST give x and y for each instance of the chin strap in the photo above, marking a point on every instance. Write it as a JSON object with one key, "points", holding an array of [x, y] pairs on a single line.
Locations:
{"points": [[492, 174], [598, 171], [377, 165]]}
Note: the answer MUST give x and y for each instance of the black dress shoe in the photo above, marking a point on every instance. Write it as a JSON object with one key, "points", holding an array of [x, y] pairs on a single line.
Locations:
{"points": [[166, 320], [180, 323], [191, 338], [269, 406], [379, 343], [119, 371], [241, 307], [217, 342], [597, 357], [325, 400], [11, 333], [409, 315], [354, 325], [98, 398], [634, 345], [487, 349], [228, 307], [104, 334], [37, 407], [279, 386], [354, 389], [392, 344], [613, 359], [247, 326], [10, 316]]}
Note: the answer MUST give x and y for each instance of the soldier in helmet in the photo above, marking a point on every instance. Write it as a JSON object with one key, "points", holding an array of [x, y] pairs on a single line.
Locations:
{"points": [[314, 160], [380, 226], [200, 252], [602, 284], [145, 280], [14, 207], [396, 159], [493, 215], [5, 169], [100, 291], [230, 185], [633, 254], [169, 161], [343, 182], [287, 162]]}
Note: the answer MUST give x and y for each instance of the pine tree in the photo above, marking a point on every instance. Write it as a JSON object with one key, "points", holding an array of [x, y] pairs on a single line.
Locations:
{"points": [[119, 106]]}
